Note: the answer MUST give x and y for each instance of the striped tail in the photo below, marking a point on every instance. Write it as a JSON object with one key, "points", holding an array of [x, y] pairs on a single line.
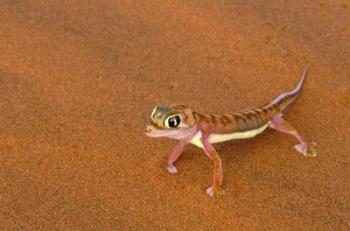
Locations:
{"points": [[285, 99]]}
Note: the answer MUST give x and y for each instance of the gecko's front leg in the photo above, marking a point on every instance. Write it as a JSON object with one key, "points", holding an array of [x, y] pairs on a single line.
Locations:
{"points": [[174, 155], [215, 189]]}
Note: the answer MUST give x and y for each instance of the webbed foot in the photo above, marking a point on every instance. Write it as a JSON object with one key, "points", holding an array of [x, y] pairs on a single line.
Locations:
{"points": [[307, 151], [215, 192], [171, 169]]}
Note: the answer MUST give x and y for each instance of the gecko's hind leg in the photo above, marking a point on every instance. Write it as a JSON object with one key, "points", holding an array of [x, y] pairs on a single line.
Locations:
{"points": [[305, 147]]}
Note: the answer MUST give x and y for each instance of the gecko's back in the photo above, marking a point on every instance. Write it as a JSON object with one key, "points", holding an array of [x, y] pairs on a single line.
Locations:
{"points": [[244, 124]]}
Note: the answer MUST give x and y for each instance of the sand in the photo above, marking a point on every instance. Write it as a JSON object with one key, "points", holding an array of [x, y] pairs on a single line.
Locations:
{"points": [[79, 79]]}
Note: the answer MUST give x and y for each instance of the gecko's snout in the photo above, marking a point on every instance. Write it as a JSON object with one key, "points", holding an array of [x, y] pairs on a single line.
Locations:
{"points": [[148, 129]]}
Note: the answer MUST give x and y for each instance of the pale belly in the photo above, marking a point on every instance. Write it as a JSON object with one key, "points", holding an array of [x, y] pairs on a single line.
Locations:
{"points": [[218, 138]]}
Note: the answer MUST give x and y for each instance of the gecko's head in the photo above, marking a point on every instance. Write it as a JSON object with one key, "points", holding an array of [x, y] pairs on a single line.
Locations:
{"points": [[175, 122]]}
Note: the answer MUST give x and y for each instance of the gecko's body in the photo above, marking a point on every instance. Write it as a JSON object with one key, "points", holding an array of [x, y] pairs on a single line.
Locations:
{"points": [[218, 138], [188, 126]]}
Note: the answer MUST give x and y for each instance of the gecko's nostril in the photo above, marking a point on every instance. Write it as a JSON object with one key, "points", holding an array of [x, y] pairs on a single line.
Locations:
{"points": [[148, 129]]}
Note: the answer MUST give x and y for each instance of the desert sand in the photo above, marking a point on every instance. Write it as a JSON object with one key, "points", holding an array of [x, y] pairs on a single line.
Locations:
{"points": [[79, 79]]}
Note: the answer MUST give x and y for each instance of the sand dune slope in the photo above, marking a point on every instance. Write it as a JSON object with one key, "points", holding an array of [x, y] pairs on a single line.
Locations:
{"points": [[78, 80]]}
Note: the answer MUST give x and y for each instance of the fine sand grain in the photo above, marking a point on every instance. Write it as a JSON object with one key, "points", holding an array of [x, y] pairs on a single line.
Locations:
{"points": [[78, 81]]}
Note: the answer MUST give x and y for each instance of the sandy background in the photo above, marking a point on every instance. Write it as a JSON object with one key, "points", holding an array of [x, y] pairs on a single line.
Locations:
{"points": [[78, 81]]}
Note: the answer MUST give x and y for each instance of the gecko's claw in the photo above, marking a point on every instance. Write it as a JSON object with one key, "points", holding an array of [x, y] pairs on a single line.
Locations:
{"points": [[307, 151], [171, 169], [215, 192]]}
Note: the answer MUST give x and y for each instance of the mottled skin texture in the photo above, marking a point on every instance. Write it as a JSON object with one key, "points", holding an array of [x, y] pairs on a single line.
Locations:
{"points": [[182, 123]]}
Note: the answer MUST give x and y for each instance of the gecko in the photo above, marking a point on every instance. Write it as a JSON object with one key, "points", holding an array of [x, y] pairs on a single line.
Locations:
{"points": [[186, 125]]}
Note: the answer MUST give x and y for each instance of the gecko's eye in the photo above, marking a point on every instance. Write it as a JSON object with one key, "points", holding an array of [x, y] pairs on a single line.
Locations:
{"points": [[173, 121]]}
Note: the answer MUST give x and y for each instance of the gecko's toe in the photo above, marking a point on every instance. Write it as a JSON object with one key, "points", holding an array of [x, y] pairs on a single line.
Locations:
{"points": [[171, 169], [307, 151], [215, 192]]}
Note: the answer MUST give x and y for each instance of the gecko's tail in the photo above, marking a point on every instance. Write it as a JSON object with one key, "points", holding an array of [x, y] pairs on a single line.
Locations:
{"points": [[285, 99]]}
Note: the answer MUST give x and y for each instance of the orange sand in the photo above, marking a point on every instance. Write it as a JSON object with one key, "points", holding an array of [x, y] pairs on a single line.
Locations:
{"points": [[77, 84]]}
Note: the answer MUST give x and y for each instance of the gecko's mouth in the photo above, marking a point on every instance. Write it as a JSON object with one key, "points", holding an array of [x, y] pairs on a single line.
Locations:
{"points": [[151, 131]]}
